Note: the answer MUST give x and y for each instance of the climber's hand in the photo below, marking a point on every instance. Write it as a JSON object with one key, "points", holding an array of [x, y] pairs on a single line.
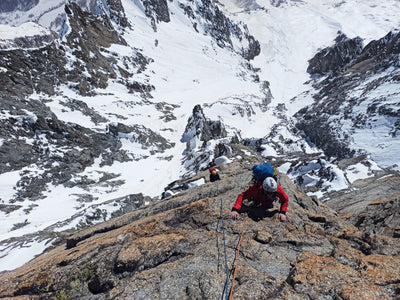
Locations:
{"points": [[234, 215], [282, 217]]}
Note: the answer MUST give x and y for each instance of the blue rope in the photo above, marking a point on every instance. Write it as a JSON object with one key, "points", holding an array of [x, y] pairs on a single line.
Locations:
{"points": [[226, 260]]}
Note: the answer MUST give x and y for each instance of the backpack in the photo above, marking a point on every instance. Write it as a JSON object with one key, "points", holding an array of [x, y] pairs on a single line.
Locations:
{"points": [[262, 171]]}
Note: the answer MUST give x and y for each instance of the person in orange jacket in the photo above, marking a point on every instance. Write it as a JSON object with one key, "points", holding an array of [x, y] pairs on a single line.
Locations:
{"points": [[264, 192]]}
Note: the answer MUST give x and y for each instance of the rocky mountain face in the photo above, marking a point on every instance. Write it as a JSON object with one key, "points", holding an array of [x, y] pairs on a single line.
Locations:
{"points": [[41, 71], [174, 249], [48, 151], [32, 135], [205, 140], [347, 97], [344, 248]]}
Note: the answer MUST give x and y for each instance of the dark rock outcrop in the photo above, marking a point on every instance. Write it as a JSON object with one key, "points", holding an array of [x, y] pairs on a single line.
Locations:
{"points": [[142, 135], [42, 70], [333, 59], [157, 11], [87, 38], [44, 128], [199, 127], [117, 13], [198, 133], [29, 71], [207, 14]]}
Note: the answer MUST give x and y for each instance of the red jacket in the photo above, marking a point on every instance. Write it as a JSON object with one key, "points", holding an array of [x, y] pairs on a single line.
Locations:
{"points": [[256, 192]]}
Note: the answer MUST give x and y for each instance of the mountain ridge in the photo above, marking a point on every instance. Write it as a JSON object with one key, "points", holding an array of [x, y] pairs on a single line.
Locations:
{"points": [[173, 249], [104, 120]]}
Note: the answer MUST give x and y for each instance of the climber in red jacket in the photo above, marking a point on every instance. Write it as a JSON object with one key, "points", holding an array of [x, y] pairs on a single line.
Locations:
{"points": [[264, 192]]}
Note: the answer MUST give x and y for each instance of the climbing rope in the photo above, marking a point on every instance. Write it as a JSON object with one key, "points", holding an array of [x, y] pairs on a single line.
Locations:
{"points": [[237, 259], [226, 260], [228, 273], [218, 247]]}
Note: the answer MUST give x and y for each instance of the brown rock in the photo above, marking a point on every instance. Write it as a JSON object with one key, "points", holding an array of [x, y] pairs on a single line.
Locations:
{"points": [[175, 249]]}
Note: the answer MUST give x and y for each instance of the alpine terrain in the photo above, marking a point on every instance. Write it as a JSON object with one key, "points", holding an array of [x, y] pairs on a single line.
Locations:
{"points": [[113, 111]]}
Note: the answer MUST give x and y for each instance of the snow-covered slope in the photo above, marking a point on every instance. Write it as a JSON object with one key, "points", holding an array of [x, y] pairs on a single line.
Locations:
{"points": [[49, 14], [184, 66], [130, 97], [292, 32], [27, 35]]}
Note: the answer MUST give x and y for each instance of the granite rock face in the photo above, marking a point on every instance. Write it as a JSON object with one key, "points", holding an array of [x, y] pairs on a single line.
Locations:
{"points": [[173, 249]]}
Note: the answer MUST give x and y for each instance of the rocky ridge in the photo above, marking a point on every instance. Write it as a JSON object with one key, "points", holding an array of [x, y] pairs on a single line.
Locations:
{"points": [[173, 249], [347, 75]]}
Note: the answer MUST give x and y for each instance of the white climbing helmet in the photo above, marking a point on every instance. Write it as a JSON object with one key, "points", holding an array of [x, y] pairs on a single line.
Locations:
{"points": [[270, 185]]}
